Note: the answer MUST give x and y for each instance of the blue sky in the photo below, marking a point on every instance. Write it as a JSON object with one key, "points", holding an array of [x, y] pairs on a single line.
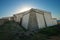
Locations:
{"points": [[9, 7]]}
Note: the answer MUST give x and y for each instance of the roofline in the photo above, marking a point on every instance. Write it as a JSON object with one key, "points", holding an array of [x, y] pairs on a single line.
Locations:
{"points": [[43, 11]]}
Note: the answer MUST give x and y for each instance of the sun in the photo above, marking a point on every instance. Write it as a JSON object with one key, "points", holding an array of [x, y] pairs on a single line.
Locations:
{"points": [[22, 9], [25, 9]]}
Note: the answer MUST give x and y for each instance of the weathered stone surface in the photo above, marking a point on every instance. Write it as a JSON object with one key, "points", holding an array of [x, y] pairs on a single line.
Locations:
{"points": [[32, 25]]}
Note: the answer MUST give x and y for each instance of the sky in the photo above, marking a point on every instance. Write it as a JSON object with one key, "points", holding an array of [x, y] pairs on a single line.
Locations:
{"points": [[10, 7]]}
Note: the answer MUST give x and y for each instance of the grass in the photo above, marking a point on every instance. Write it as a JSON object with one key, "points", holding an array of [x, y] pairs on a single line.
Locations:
{"points": [[11, 31], [53, 30]]}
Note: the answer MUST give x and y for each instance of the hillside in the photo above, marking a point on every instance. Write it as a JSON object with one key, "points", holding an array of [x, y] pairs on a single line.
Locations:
{"points": [[9, 30], [13, 31]]}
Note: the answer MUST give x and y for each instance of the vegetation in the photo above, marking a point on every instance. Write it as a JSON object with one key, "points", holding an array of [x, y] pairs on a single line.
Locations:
{"points": [[13, 31], [53, 30], [9, 30]]}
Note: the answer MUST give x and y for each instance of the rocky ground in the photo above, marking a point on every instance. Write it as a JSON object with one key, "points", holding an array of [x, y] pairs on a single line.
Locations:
{"points": [[13, 31]]}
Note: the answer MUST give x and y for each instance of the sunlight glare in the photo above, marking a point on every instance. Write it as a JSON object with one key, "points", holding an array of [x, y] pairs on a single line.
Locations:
{"points": [[25, 9]]}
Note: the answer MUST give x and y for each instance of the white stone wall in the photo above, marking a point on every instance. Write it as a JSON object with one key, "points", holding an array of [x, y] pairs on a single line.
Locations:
{"points": [[48, 19], [40, 20], [54, 21], [25, 21], [39, 16], [17, 17]]}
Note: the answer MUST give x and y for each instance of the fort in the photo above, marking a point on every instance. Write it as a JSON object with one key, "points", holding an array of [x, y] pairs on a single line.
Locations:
{"points": [[33, 19]]}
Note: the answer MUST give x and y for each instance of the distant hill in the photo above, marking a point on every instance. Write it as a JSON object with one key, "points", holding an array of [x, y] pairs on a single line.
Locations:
{"points": [[58, 20]]}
